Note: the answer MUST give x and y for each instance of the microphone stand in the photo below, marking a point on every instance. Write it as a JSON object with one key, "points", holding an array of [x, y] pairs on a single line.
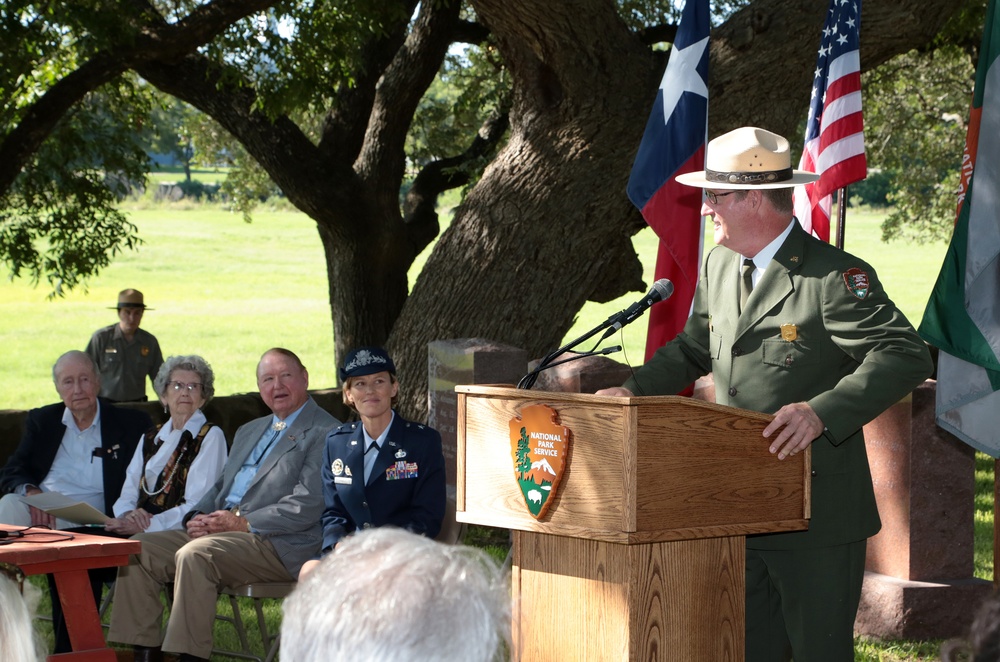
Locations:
{"points": [[529, 379], [525, 384], [662, 289]]}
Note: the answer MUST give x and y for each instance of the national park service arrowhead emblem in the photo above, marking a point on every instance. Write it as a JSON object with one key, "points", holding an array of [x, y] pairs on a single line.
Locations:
{"points": [[857, 282], [539, 447]]}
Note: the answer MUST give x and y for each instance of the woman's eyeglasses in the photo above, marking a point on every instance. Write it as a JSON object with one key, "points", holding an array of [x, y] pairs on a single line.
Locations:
{"points": [[178, 386]]}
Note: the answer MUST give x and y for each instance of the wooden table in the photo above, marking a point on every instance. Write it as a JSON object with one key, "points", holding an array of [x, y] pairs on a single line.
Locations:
{"points": [[69, 561]]}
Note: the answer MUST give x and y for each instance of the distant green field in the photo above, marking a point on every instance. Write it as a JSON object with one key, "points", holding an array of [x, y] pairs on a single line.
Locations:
{"points": [[176, 174], [228, 290]]}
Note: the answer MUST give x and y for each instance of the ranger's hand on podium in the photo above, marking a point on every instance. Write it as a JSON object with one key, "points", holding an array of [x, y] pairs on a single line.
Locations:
{"points": [[799, 426]]}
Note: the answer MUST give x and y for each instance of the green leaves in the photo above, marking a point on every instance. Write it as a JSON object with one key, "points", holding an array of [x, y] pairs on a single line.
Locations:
{"points": [[916, 110], [60, 223]]}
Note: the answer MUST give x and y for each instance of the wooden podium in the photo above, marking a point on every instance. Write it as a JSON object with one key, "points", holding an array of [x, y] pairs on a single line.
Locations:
{"points": [[640, 555]]}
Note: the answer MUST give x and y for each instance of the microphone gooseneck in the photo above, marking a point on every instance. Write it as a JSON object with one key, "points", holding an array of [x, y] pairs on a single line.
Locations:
{"points": [[661, 290]]}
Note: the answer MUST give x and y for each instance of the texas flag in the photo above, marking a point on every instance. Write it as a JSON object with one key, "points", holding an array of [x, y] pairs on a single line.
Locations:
{"points": [[674, 143]]}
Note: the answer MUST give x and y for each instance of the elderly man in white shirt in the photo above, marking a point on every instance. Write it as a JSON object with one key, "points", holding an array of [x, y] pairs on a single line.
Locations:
{"points": [[79, 447]]}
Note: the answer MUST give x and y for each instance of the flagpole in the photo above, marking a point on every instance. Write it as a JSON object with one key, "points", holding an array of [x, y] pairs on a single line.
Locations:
{"points": [[841, 217]]}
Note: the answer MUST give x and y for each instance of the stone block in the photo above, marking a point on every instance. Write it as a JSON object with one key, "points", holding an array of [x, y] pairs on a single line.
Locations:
{"points": [[924, 481], [919, 583], [585, 375], [893, 608], [464, 361]]}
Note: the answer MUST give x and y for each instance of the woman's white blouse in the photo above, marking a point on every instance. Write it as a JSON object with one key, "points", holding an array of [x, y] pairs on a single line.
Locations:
{"points": [[204, 471]]}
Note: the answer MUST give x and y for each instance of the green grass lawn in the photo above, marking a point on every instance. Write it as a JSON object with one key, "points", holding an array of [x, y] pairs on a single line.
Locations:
{"points": [[217, 287], [174, 174]]}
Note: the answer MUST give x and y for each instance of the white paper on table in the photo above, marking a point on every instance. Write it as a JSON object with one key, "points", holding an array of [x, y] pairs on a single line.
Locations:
{"points": [[63, 507]]}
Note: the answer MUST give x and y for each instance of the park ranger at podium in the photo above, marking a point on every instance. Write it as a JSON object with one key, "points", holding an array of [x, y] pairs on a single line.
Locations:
{"points": [[791, 326]]}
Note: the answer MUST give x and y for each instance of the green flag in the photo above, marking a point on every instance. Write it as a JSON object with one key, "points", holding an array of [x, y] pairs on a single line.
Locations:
{"points": [[962, 318]]}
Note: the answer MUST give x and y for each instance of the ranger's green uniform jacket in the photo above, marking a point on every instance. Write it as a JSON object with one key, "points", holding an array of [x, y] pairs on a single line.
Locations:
{"points": [[818, 328]]}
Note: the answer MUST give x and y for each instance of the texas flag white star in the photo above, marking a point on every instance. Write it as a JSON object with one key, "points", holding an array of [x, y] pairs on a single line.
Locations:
{"points": [[682, 76]]}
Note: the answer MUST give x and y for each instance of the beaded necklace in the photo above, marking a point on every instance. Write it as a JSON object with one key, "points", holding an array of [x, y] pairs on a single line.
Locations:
{"points": [[173, 470]]}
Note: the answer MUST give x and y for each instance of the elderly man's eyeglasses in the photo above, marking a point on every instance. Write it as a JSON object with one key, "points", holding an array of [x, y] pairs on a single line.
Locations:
{"points": [[713, 197], [178, 386]]}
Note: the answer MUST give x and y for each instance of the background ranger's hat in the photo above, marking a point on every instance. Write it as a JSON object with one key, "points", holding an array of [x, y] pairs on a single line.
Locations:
{"points": [[130, 299]]}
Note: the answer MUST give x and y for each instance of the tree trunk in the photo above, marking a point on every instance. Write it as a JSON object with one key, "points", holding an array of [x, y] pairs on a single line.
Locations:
{"points": [[548, 226]]}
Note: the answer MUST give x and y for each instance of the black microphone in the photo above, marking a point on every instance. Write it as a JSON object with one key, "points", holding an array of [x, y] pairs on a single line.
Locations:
{"points": [[661, 290]]}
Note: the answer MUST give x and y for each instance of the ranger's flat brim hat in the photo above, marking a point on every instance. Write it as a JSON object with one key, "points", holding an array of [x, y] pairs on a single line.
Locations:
{"points": [[748, 158], [130, 299]]}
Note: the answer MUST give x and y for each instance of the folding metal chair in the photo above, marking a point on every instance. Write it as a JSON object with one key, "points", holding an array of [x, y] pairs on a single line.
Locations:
{"points": [[258, 593]]}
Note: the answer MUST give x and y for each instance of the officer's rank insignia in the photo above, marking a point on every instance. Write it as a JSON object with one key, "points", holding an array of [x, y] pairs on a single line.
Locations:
{"points": [[347, 472], [337, 467], [857, 282], [789, 332], [540, 449]]}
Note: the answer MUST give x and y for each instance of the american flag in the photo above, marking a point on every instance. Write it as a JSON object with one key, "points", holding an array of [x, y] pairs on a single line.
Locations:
{"points": [[834, 141]]}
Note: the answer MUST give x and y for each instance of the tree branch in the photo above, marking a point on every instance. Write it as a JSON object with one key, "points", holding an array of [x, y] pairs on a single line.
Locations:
{"points": [[278, 145], [157, 40], [657, 34], [41, 118], [403, 85], [420, 205], [345, 124], [470, 32]]}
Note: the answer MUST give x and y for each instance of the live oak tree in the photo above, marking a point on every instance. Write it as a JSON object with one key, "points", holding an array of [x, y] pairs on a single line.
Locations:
{"points": [[322, 96]]}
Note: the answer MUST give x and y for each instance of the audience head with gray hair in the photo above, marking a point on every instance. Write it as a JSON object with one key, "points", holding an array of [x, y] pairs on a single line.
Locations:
{"points": [[18, 601], [983, 642], [388, 594]]}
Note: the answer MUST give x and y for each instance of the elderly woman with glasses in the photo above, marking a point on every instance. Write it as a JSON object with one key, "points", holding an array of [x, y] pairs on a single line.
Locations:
{"points": [[175, 464]]}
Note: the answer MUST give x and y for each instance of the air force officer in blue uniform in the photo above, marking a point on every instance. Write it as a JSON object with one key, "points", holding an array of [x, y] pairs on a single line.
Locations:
{"points": [[382, 470]]}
